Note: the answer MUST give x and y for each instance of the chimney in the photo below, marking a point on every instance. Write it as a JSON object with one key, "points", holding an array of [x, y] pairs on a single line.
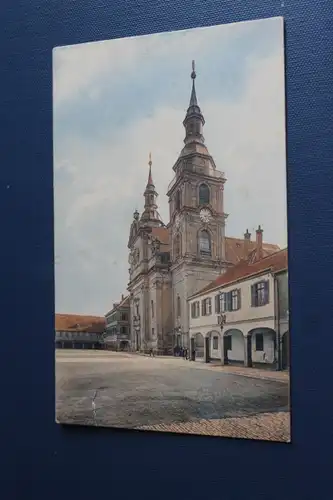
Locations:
{"points": [[259, 253], [122, 296], [247, 241]]}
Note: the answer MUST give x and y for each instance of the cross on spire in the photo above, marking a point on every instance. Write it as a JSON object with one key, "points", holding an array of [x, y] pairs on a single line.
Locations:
{"points": [[193, 100], [150, 178]]}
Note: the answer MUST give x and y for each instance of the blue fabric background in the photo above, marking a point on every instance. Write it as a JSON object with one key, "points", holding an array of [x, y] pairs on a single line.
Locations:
{"points": [[39, 458]]}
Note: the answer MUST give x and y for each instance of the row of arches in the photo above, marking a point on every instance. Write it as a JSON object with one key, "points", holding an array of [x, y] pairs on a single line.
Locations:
{"points": [[259, 347], [204, 196]]}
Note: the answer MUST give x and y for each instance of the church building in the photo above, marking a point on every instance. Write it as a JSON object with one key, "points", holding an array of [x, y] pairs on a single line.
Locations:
{"points": [[169, 263]]}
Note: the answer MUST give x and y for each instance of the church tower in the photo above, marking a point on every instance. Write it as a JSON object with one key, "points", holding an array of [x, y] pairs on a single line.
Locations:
{"points": [[145, 265], [197, 218], [150, 216]]}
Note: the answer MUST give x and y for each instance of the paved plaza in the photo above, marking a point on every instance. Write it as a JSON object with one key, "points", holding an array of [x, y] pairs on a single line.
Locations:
{"points": [[106, 388]]}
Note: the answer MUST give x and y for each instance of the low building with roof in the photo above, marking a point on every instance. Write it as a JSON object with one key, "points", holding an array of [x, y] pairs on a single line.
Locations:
{"points": [[243, 316], [74, 331], [117, 335]]}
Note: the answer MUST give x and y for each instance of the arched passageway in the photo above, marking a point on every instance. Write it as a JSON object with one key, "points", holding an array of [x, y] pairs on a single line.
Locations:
{"points": [[233, 346], [197, 347], [262, 347], [213, 346]]}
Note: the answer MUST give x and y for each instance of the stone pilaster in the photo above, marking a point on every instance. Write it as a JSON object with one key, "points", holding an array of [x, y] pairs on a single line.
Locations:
{"points": [[223, 351], [206, 349], [248, 351]]}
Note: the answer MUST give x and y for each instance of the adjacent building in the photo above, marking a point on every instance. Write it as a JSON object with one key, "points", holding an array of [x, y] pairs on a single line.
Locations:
{"points": [[242, 316], [117, 333], [79, 332], [170, 262]]}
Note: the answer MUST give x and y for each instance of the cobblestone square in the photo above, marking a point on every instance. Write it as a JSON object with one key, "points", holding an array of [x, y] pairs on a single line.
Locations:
{"points": [[170, 394]]}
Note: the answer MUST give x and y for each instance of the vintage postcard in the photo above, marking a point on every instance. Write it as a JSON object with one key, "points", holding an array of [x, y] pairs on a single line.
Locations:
{"points": [[171, 259]]}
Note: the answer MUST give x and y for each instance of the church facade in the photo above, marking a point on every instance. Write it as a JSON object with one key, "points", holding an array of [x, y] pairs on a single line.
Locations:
{"points": [[171, 262]]}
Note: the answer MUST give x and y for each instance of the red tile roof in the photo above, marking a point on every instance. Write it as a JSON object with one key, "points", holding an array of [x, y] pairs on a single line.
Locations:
{"points": [[162, 234], [234, 249], [275, 262], [79, 323]]}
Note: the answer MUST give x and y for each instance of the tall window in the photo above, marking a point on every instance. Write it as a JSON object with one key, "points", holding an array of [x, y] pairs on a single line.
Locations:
{"points": [[260, 294], [178, 200], [178, 307], [229, 301], [204, 243], [152, 309], [206, 307], [177, 245], [203, 194], [215, 343], [195, 309], [235, 300]]}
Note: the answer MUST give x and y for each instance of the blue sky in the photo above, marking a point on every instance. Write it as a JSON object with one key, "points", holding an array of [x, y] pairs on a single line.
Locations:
{"points": [[115, 101]]}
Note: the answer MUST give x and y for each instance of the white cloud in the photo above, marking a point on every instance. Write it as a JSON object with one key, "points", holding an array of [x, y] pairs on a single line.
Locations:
{"points": [[98, 184], [80, 69]]}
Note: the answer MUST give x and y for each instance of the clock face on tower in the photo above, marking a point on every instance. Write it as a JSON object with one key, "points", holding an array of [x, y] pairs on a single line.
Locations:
{"points": [[205, 215]]}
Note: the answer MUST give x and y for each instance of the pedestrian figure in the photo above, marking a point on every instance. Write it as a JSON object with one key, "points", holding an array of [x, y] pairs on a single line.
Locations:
{"points": [[151, 353]]}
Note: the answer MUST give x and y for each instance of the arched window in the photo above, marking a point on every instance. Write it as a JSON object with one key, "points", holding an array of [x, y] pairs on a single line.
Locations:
{"points": [[204, 243], [178, 200], [177, 245], [178, 307], [203, 194]]}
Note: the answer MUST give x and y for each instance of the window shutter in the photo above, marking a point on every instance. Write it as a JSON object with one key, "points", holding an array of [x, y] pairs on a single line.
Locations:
{"points": [[229, 301], [239, 299], [267, 291], [192, 310], [202, 308], [253, 295], [217, 303], [222, 302]]}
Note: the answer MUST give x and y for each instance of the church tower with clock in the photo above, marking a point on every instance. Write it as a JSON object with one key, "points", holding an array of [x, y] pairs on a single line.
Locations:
{"points": [[197, 218]]}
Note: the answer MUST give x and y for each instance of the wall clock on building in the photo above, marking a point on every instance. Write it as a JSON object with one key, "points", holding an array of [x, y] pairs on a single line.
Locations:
{"points": [[205, 215]]}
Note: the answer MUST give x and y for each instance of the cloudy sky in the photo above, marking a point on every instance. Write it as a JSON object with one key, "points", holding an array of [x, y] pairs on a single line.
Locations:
{"points": [[116, 101]]}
